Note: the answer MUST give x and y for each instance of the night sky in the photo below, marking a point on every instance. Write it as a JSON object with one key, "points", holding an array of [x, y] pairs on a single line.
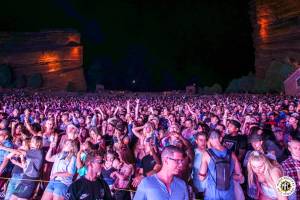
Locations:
{"points": [[161, 44]]}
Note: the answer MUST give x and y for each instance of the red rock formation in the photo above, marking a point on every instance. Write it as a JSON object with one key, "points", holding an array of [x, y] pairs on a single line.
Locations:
{"points": [[56, 55], [276, 35]]}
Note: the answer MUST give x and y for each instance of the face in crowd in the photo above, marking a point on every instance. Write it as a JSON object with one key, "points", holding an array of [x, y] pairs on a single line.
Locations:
{"points": [[294, 148]]}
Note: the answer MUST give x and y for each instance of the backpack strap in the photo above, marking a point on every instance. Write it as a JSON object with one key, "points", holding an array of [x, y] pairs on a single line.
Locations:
{"points": [[212, 155], [214, 158]]}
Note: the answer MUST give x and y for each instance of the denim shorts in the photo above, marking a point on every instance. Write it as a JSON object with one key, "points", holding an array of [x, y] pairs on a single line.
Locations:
{"points": [[57, 188], [25, 188], [12, 185]]}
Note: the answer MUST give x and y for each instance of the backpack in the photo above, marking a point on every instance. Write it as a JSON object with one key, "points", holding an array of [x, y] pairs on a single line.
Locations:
{"points": [[222, 168]]}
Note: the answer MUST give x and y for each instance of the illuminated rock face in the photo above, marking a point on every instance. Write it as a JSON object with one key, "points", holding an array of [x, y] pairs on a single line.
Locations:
{"points": [[276, 34], [56, 55]]}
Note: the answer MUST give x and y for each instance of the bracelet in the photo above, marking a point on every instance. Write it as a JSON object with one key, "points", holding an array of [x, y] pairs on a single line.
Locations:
{"points": [[202, 174]]}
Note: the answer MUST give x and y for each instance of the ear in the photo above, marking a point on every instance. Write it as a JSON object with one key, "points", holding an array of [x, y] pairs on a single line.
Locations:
{"points": [[289, 146]]}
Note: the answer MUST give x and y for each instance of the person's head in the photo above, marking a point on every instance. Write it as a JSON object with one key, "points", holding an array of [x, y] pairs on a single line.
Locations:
{"points": [[27, 112], [36, 142], [291, 108], [201, 140], [260, 165], [271, 116], [214, 138], [109, 157], [148, 128], [36, 127], [165, 112], [49, 124], [188, 123], [233, 126], [65, 117], [88, 120], [255, 130], [174, 128], [87, 146], [279, 134], [171, 118], [93, 132], [4, 124], [72, 132], [293, 121], [26, 144], [256, 141], [81, 121], [76, 113], [94, 161], [20, 128], [203, 127], [15, 112], [172, 159], [294, 147], [221, 128], [263, 116], [155, 121], [120, 127], [70, 146], [126, 155], [4, 133], [214, 119]]}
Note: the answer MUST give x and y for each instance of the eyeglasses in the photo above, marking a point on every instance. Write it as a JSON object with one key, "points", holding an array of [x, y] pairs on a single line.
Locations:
{"points": [[178, 161], [98, 161]]}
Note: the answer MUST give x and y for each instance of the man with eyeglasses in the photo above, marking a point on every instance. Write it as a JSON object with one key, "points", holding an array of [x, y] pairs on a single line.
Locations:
{"points": [[164, 184], [90, 186]]}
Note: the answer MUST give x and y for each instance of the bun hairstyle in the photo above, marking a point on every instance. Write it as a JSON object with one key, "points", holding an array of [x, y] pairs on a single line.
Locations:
{"points": [[214, 134]]}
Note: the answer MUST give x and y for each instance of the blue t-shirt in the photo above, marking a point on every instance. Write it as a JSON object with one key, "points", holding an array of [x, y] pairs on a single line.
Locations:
{"points": [[152, 188], [3, 154]]}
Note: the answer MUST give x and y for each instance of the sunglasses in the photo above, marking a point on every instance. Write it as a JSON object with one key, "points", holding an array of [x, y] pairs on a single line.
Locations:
{"points": [[98, 161]]}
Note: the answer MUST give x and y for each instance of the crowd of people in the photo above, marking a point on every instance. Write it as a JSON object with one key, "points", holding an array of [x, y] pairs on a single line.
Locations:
{"points": [[148, 147]]}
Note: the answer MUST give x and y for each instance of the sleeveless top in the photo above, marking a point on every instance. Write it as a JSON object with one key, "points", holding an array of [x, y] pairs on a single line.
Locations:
{"points": [[211, 192], [200, 185], [268, 191]]}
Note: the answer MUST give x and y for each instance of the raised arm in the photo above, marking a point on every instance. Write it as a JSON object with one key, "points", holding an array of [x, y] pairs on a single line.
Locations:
{"points": [[136, 131], [49, 156], [15, 151], [137, 109], [128, 107], [29, 128], [225, 116]]}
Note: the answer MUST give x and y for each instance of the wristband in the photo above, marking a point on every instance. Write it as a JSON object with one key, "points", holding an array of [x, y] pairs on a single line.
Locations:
{"points": [[204, 175]]}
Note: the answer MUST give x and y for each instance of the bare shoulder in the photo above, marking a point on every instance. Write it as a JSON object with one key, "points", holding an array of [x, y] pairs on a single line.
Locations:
{"points": [[276, 172], [233, 156], [205, 156]]}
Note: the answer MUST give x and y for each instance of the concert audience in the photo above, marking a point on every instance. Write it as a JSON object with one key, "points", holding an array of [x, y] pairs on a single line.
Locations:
{"points": [[107, 146]]}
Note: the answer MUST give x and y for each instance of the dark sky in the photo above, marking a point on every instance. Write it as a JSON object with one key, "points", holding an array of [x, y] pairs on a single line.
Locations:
{"points": [[159, 44]]}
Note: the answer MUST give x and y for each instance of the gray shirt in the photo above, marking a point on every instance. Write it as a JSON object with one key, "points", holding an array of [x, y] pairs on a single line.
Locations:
{"points": [[62, 164], [34, 162], [152, 188]]}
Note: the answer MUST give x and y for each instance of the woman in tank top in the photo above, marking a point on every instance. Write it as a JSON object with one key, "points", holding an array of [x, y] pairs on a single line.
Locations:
{"points": [[263, 177]]}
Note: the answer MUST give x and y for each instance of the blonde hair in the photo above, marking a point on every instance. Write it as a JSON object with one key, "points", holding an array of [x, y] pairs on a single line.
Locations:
{"points": [[150, 124], [73, 150], [259, 156]]}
